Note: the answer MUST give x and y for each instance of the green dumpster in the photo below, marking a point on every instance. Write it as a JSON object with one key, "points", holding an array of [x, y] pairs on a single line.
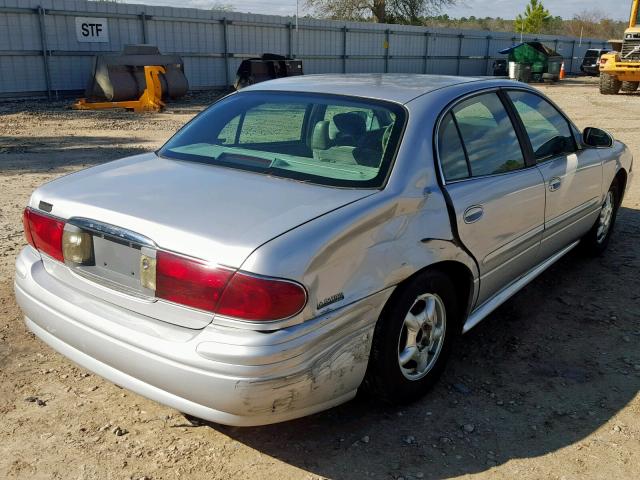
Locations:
{"points": [[541, 58]]}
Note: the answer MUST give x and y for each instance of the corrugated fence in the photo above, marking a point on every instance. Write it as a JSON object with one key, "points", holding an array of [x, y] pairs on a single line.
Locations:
{"points": [[43, 50]]}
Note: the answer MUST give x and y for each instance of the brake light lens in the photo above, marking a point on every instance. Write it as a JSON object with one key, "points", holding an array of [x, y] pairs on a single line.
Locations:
{"points": [[189, 282], [27, 227], [45, 233], [261, 299], [603, 61], [222, 291]]}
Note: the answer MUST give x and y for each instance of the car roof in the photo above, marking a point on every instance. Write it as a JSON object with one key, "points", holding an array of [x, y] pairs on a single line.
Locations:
{"points": [[395, 87]]}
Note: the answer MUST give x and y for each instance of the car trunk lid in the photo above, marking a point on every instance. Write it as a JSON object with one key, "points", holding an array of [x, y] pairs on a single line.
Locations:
{"points": [[216, 214]]}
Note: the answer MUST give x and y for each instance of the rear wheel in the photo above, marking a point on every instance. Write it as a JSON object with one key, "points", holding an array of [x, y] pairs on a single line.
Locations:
{"points": [[609, 84], [630, 86], [413, 339], [595, 242]]}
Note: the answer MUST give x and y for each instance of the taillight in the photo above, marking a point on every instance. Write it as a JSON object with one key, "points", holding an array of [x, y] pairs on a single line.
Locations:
{"points": [[189, 282], [261, 299], [27, 227], [603, 61], [219, 290], [45, 232]]}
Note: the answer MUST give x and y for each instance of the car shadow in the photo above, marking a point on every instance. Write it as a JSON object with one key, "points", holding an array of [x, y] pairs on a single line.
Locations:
{"points": [[544, 371], [44, 154]]}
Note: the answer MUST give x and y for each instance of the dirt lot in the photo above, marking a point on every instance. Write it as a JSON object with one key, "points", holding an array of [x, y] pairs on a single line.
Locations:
{"points": [[547, 387]]}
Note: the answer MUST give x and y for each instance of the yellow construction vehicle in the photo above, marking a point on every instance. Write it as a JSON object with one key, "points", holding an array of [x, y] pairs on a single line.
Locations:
{"points": [[621, 70]]}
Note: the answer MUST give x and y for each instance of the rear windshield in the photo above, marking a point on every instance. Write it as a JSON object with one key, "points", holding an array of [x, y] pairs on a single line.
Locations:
{"points": [[324, 139]]}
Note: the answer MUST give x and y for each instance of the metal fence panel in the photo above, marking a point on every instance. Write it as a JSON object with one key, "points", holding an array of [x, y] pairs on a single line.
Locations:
{"points": [[39, 51]]}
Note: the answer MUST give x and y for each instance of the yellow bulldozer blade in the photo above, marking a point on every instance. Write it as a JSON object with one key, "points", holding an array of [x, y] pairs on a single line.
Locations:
{"points": [[149, 101]]}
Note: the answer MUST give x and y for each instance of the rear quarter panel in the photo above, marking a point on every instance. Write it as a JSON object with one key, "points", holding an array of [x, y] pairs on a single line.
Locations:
{"points": [[374, 243]]}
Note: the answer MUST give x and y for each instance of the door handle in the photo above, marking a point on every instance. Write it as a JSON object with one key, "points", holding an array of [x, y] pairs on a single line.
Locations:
{"points": [[554, 184], [473, 214]]}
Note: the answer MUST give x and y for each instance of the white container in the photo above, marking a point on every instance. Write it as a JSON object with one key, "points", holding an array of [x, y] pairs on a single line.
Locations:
{"points": [[512, 70]]}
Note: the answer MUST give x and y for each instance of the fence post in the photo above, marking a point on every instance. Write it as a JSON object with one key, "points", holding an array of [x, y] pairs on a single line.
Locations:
{"points": [[344, 49], [573, 52], [45, 50], [487, 54], [386, 50], [460, 39], [290, 29], [426, 51], [145, 35], [226, 50]]}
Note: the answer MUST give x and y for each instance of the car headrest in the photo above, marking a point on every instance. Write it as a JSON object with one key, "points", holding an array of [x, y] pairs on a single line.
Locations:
{"points": [[350, 123], [320, 137]]}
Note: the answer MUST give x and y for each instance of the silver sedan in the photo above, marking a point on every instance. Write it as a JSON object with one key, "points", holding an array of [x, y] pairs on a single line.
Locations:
{"points": [[309, 237]]}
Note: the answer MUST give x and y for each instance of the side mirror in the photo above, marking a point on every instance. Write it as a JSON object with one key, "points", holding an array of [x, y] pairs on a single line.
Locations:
{"points": [[596, 138]]}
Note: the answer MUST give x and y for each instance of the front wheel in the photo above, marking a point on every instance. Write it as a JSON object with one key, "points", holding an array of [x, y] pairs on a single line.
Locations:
{"points": [[609, 84], [413, 339], [595, 242]]}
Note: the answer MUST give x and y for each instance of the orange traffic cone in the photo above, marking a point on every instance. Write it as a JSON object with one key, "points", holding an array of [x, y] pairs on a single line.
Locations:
{"points": [[563, 73]]}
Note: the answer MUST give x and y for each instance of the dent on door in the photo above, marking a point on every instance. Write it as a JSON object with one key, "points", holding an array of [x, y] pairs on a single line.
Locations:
{"points": [[500, 220]]}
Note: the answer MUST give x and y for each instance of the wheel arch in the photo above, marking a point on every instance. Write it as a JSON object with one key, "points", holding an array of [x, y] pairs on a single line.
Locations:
{"points": [[621, 180], [461, 276]]}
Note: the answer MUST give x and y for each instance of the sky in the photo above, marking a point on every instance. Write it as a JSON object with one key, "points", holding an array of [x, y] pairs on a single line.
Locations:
{"points": [[480, 8]]}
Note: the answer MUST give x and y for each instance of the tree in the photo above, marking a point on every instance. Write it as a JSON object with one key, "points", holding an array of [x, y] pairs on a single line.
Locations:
{"points": [[535, 18], [222, 7], [380, 11]]}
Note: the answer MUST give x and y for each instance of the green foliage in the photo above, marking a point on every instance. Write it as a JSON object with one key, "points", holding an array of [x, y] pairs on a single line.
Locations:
{"points": [[381, 11], [535, 19]]}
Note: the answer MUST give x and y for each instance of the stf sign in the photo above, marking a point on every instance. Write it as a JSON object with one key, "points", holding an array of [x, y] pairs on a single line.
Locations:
{"points": [[90, 29]]}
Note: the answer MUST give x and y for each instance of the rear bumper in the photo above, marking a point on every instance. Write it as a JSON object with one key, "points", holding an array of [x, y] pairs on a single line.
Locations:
{"points": [[225, 375]]}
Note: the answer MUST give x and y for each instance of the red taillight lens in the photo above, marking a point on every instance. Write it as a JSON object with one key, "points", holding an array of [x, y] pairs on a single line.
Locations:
{"points": [[45, 233], [189, 282], [196, 284], [261, 299], [27, 227]]}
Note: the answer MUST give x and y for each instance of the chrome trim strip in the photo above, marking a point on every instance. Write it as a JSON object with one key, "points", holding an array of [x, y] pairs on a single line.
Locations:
{"points": [[107, 230], [505, 294]]}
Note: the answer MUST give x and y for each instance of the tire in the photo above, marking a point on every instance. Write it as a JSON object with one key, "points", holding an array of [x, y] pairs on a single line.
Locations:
{"points": [[595, 242], [393, 375], [629, 86], [609, 85]]}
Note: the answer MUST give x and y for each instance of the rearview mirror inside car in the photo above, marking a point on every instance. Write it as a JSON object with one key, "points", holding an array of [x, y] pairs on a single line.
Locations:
{"points": [[595, 137]]}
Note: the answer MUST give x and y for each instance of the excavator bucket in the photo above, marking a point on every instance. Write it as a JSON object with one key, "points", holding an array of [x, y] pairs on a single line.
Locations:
{"points": [[140, 79]]}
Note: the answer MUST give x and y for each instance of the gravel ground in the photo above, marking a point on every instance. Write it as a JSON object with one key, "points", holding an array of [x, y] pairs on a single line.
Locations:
{"points": [[547, 387]]}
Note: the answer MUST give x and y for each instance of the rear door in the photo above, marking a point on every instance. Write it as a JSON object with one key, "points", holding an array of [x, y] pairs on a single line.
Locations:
{"points": [[573, 176], [497, 196]]}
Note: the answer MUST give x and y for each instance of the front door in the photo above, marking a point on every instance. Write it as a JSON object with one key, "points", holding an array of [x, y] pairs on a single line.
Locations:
{"points": [[572, 176], [498, 199]]}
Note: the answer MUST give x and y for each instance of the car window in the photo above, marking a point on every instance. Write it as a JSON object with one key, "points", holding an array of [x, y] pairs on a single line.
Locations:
{"points": [[452, 157], [548, 130], [325, 139], [490, 140], [272, 122]]}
